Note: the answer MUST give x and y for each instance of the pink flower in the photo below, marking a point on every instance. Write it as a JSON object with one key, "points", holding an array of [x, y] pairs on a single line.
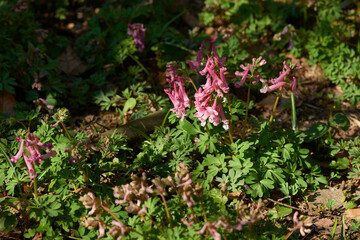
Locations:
{"points": [[32, 152], [256, 63], [179, 98], [285, 77], [242, 74], [137, 31]]}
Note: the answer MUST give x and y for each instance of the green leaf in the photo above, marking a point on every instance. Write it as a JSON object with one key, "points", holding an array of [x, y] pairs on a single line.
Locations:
{"points": [[340, 164], [316, 131], [8, 223], [340, 120], [350, 204], [191, 129], [283, 211], [129, 104]]}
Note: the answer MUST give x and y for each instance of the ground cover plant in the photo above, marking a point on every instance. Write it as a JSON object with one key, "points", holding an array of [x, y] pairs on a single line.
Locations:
{"points": [[179, 119]]}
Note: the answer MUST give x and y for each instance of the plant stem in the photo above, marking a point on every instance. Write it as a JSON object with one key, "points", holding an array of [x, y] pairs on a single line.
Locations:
{"points": [[192, 82], [231, 119], [293, 112], [166, 209], [82, 169], [67, 133], [165, 118], [275, 105], [35, 188], [203, 209], [246, 111], [157, 226], [288, 235], [142, 66]]}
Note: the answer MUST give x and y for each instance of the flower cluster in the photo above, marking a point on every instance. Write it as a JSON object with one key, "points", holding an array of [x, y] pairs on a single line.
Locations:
{"points": [[134, 194], [206, 103], [177, 93], [301, 225], [137, 31], [60, 116], [90, 201], [224, 222], [32, 153], [286, 76], [209, 96], [185, 186], [256, 63]]}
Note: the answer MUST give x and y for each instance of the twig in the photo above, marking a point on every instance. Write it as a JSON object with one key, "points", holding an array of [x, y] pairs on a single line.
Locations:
{"points": [[286, 205]]}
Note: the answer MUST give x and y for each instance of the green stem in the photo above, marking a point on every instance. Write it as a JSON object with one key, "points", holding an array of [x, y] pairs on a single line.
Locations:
{"points": [[35, 188], [293, 112], [142, 66], [288, 235], [275, 105], [157, 226], [246, 111], [231, 119], [203, 209], [83, 171], [67, 133], [192, 82], [166, 209], [165, 118]]}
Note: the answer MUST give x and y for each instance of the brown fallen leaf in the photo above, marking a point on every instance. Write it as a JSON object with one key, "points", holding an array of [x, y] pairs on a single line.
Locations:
{"points": [[7, 102], [352, 213], [70, 63]]}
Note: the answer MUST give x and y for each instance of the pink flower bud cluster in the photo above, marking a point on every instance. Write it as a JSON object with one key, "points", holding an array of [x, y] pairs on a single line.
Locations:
{"points": [[194, 64], [32, 153], [137, 31], [256, 63], [286, 77], [177, 93]]}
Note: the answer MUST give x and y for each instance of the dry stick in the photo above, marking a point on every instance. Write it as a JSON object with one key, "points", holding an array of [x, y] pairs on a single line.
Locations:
{"points": [[284, 204], [275, 105]]}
